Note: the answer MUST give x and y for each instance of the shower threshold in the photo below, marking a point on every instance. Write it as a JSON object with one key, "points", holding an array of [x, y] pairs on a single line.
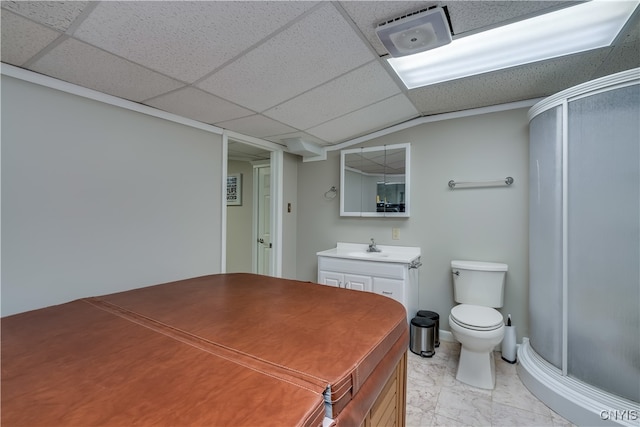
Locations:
{"points": [[580, 403]]}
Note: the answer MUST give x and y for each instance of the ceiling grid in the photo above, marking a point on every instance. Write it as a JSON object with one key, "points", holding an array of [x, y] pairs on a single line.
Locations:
{"points": [[279, 70]]}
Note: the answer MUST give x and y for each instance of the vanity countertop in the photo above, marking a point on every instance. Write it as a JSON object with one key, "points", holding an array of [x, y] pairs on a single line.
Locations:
{"points": [[358, 251]]}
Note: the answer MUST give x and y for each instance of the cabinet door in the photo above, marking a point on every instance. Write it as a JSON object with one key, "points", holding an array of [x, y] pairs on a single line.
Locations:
{"points": [[357, 282], [331, 278], [390, 288]]}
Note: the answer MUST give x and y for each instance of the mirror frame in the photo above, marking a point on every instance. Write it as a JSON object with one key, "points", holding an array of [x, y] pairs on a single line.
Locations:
{"points": [[407, 174]]}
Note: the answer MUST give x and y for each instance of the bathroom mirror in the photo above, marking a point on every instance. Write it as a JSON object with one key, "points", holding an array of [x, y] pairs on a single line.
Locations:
{"points": [[375, 181]]}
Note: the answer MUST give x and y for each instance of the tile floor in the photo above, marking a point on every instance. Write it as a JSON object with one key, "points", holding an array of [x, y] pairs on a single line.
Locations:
{"points": [[435, 398]]}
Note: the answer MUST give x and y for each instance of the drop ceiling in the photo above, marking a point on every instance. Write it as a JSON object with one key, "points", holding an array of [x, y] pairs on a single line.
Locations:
{"points": [[282, 69]]}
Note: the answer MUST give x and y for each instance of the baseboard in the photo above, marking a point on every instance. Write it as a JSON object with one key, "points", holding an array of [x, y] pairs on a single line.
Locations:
{"points": [[446, 336]]}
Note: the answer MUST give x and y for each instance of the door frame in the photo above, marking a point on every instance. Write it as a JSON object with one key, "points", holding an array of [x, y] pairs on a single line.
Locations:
{"points": [[277, 184]]}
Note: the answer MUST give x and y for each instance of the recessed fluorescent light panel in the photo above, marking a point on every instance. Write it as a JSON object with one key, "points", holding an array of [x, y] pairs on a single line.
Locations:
{"points": [[579, 28]]}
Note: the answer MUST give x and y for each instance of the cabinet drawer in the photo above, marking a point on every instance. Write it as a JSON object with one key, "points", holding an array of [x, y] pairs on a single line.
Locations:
{"points": [[390, 288]]}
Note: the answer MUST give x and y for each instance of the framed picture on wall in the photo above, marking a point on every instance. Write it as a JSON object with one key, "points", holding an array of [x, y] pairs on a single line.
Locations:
{"points": [[234, 189]]}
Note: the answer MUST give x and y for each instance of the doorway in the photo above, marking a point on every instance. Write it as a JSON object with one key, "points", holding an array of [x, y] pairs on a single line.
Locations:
{"points": [[249, 224]]}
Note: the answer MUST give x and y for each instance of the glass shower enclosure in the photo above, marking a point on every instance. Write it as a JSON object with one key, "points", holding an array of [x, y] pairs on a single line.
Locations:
{"points": [[582, 357]]}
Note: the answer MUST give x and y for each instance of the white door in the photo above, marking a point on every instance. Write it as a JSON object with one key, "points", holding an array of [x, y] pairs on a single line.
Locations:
{"points": [[263, 218]]}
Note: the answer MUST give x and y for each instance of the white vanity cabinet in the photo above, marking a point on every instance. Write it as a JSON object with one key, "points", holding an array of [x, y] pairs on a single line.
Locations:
{"points": [[386, 273]]}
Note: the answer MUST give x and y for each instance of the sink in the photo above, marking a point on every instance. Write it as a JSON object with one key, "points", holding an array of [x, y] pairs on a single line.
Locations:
{"points": [[358, 251], [368, 254]]}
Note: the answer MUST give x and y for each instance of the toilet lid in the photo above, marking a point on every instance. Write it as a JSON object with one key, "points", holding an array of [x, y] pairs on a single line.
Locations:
{"points": [[476, 317]]}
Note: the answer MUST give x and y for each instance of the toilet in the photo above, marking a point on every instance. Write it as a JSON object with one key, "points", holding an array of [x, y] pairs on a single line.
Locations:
{"points": [[478, 288]]}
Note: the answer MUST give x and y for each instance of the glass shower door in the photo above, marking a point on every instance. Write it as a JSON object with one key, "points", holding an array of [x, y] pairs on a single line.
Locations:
{"points": [[603, 258]]}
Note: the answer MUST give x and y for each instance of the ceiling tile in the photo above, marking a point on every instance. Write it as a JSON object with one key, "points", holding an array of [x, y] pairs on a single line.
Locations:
{"points": [[257, 126], [58, 15], [347, 93], [314, 50], [21, 38], [198, 105], [370, 119], [625, 55], [514, 84], [185, 40], [84, 65]]}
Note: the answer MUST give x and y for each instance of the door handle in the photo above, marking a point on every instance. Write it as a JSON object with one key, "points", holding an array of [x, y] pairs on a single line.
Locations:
{"points": [[261, 241]]}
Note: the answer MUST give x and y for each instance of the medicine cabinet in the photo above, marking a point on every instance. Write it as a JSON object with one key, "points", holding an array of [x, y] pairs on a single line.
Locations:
{"points": [[375, 181]]}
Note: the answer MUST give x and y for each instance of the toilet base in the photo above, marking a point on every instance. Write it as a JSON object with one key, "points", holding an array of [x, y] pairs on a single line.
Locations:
{"points": [[477, 369]]}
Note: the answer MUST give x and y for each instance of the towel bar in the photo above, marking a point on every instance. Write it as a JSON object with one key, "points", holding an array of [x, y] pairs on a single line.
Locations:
{"points": [[496, 182]]}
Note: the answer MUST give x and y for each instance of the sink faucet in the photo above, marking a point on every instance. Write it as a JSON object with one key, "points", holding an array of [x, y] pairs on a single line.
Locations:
{"points": [[373, 247]]}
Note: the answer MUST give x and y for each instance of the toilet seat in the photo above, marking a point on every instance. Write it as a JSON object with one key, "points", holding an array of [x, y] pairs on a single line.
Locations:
{"points": [[476, 317]]}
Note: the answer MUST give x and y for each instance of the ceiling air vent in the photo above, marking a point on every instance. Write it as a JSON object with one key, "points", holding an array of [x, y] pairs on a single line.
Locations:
{"points": [[415, 32]]}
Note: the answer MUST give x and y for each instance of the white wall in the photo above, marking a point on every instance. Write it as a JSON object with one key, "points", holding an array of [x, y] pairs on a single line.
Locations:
{"points": [[290, 219], [97, 199], [489, 224]]}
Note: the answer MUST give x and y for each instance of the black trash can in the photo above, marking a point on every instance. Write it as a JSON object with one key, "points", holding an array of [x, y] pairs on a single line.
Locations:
{"points": [[422, 336], [436, 318]]}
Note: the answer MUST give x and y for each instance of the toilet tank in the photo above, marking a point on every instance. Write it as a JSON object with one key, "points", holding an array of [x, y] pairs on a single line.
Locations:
{"points": [[479, 283]]}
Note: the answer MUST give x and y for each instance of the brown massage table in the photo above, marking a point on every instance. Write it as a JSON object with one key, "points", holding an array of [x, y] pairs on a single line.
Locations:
{"points": [[219, 350]]}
